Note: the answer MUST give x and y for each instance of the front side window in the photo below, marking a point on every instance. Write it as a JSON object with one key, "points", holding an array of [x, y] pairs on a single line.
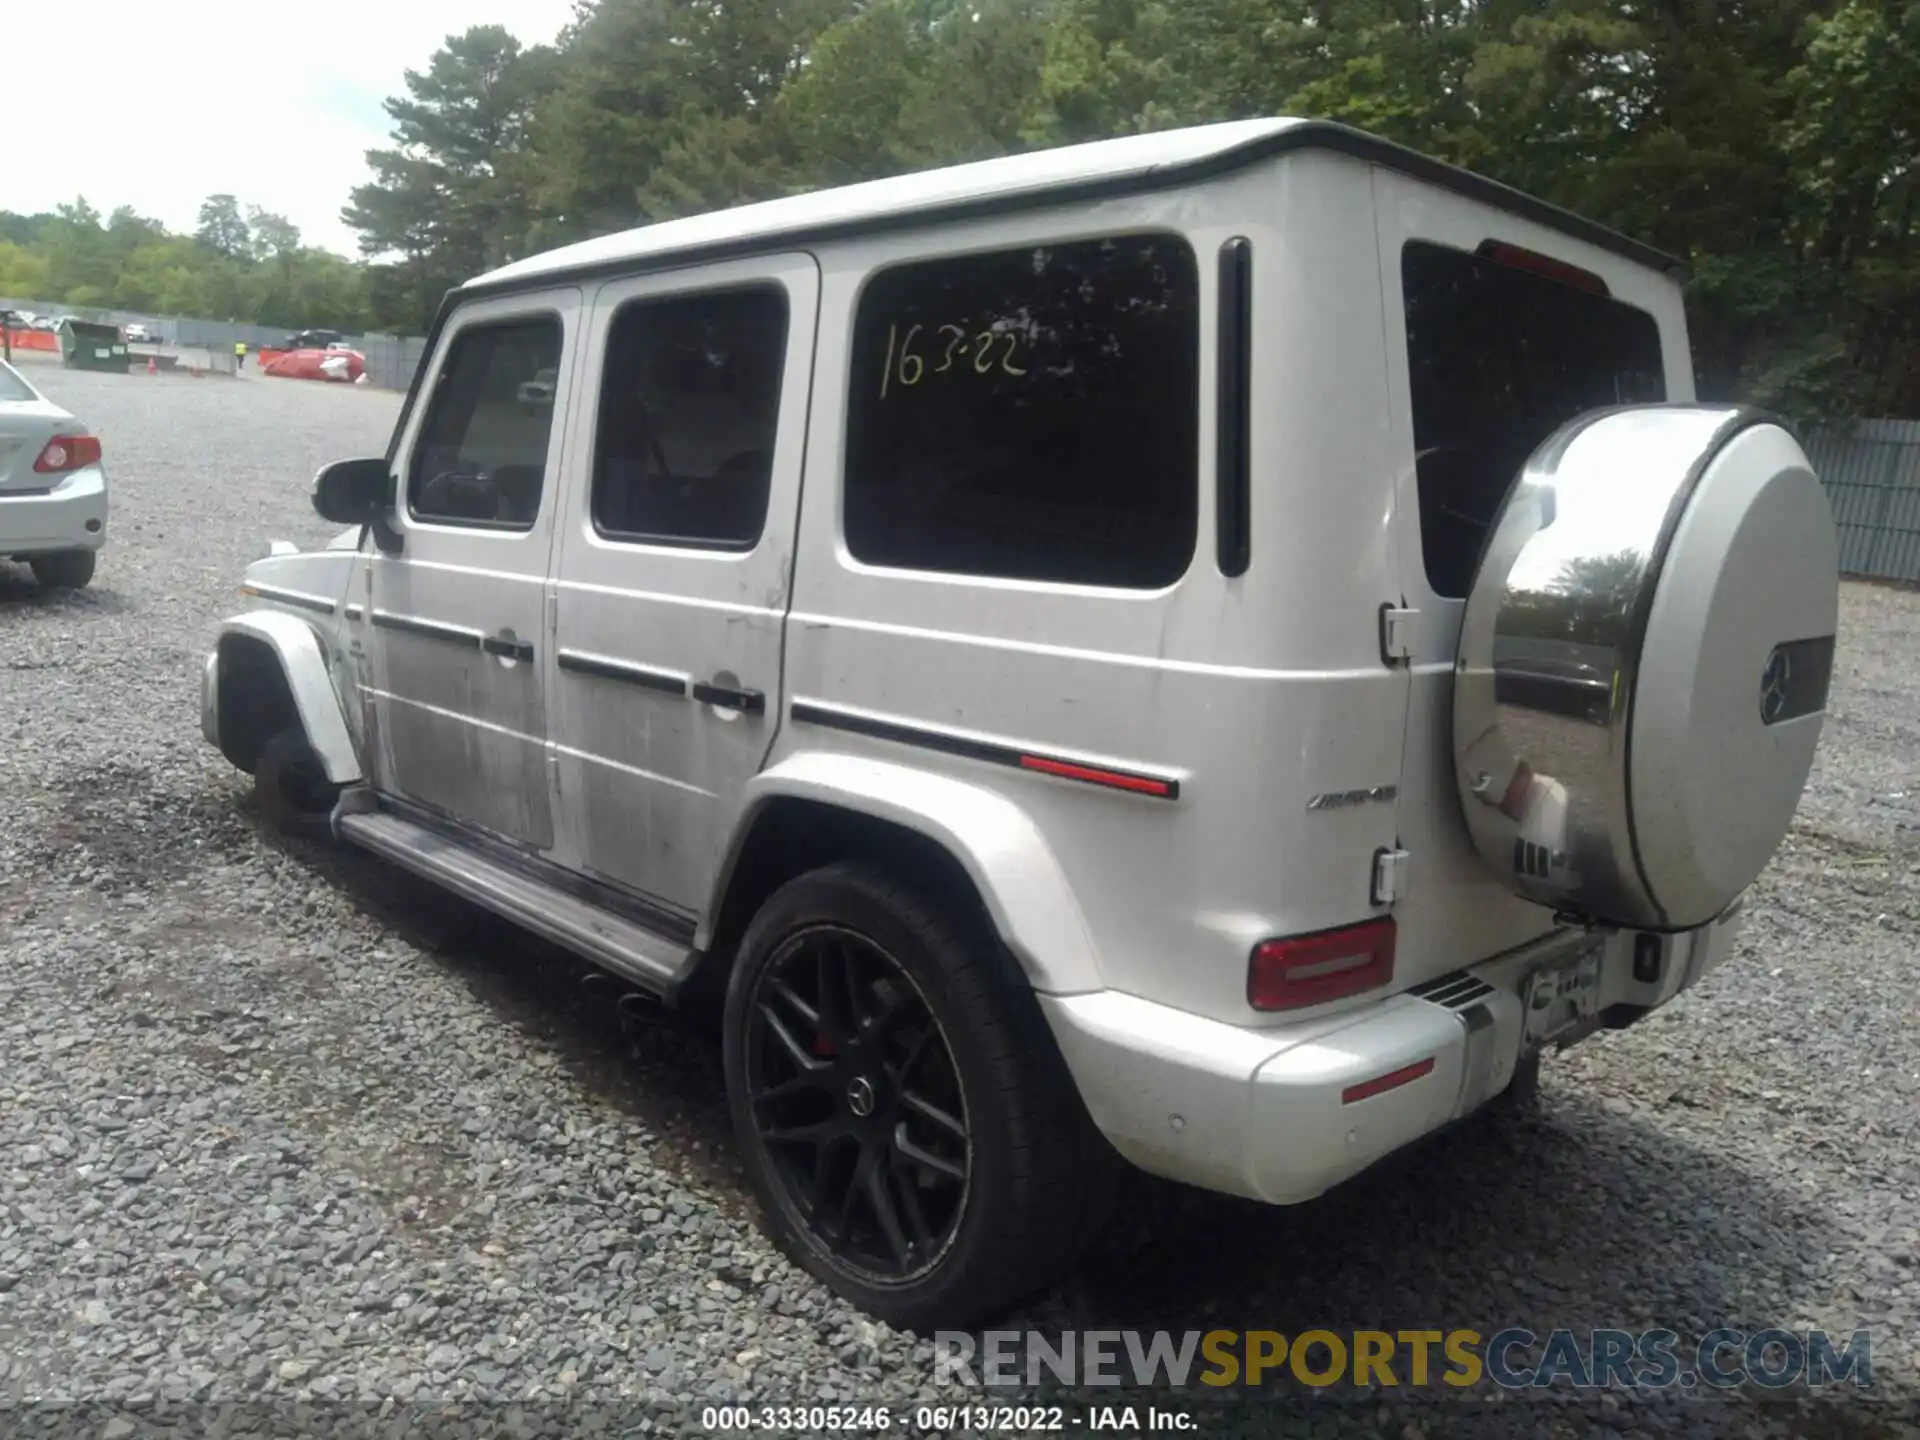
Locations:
{"points": [[482, 454], [1498, 358], [689, 407], [1030, 414]]}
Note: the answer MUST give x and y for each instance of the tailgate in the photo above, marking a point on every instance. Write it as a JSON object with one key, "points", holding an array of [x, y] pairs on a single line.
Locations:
{"points": [[1498, 332]]}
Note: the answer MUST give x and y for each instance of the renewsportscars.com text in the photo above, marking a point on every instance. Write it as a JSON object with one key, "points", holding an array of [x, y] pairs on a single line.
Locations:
{"points": [[1458, 1359]]}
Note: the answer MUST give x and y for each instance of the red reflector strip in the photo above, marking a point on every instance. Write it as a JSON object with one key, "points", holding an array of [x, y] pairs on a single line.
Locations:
{"points": [[1392, 1080], [1116, 779], [810, 712]]}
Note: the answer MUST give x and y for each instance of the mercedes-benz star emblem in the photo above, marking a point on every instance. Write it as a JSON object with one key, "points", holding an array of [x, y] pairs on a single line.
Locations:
{"points": [[860, 1096], [1773, 686]]}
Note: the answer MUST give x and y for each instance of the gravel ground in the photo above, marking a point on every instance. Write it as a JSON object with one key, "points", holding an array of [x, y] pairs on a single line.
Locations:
{"points": [[277, 1127]]}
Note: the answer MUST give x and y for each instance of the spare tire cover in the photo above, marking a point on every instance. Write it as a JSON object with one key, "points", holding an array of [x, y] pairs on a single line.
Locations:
{"points": [[1644, 660]]}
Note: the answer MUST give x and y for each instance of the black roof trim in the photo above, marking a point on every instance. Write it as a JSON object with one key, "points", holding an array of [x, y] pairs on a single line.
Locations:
{"points": [[1308, 134]]}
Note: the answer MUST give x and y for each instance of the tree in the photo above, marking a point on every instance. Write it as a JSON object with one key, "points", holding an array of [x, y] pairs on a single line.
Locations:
{"points": [[1774, 145], [23, 274], [273, 236], [452, 196], [222, 228], [1853, 140], [132, 262], [660, 107]]}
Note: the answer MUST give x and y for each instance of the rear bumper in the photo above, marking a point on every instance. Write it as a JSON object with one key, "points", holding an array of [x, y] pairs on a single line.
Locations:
{"points": [[1273, 1114], [71, 516]]}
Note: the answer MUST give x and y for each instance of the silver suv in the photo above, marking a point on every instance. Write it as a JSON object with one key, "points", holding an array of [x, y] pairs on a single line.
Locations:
{"points": [[1214, 649]]}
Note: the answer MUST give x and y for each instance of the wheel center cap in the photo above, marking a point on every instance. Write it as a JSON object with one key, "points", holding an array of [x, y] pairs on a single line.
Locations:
{"points": [[860, 1096]]}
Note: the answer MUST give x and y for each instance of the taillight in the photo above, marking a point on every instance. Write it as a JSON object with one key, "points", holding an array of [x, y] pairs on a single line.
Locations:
{"points": [[1313, 969], [68, 452]]}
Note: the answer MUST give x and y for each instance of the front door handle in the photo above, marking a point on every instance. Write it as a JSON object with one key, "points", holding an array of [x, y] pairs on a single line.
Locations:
{"points": [[749, 702]]}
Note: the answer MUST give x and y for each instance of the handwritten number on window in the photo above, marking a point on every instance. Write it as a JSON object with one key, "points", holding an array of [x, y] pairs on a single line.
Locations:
{"points": [[906, 367], [946, 361]]}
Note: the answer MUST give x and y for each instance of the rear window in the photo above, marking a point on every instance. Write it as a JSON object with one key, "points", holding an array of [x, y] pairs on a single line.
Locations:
{"points": [[12, 387], [1030, 414], [1499, 358]]}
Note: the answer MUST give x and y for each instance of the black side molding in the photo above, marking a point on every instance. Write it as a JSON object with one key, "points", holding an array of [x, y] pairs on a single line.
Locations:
{"points": [[622, 673], [427, 629], [283, 597]]}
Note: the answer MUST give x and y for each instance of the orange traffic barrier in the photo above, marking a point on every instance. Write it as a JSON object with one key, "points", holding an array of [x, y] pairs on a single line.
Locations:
{"points": [[34, 340]]}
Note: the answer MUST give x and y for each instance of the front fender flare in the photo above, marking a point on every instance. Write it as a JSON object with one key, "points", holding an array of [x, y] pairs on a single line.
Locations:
{"points": [[1026, 893], [303, 661]]}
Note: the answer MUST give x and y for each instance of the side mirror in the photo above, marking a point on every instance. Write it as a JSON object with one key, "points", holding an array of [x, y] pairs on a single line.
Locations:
{"points": [[353, 492]]}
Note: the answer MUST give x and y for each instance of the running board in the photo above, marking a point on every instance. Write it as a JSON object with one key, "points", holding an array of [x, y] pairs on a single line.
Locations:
{"points": [[630, 951]]}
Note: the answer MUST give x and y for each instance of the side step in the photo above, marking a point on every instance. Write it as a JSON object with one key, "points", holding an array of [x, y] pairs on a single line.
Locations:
{"points": [[630, 951]]}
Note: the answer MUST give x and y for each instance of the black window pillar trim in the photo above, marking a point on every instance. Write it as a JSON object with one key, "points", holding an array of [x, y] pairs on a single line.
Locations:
{"points": [[1233, 477]]}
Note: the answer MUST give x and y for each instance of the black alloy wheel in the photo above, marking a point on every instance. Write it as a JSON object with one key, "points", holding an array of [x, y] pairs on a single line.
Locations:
{"points": [[906, 1120], [855, 1095]]}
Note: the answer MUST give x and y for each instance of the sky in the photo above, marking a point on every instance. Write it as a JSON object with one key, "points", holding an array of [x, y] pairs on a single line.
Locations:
{"points": [[273, 102]]}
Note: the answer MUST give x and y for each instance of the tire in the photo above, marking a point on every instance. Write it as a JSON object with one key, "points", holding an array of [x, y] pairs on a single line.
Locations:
{"points": [[292, 788], [64, 569], [950, 1028]]}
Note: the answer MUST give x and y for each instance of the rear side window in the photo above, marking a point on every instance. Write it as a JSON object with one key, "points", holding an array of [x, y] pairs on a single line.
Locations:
{"points": [[1498, 358], [688, 409], [1030, 413], [482, 455]]}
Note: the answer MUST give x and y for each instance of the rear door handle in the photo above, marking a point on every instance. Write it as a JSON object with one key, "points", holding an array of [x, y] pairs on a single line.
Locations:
{"points": [[750, 702], [507, 649]]}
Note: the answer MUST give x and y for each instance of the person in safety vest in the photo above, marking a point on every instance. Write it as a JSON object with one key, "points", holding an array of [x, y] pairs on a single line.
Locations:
{"points": [[239, 354]]}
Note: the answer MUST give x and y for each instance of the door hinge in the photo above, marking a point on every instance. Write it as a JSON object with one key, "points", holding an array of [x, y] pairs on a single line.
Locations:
{"points": [[1390, 875], [1398, 626], [553, 615]]}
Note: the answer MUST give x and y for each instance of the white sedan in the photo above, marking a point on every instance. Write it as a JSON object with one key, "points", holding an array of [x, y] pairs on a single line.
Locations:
{"points": [[53, 489]]}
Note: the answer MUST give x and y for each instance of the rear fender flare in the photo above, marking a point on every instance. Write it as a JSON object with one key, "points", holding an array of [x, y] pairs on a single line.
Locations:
{"points": [[1020, 882], [303, 662]]}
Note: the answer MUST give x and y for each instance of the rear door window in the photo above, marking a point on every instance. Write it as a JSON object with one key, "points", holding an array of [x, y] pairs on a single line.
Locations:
{"points": [[1498, 358], [1030, 413], [688, 410]]}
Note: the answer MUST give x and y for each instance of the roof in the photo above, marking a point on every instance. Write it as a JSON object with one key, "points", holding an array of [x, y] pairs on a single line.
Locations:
{"points": [[1129, 164]]}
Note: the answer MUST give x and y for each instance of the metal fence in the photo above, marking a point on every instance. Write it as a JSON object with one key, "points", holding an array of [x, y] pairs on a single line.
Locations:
{"points": [[391, 359], [1872, 474]]}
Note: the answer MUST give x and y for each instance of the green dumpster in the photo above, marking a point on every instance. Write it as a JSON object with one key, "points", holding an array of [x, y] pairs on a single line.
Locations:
{"points": [[87, 346]]}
